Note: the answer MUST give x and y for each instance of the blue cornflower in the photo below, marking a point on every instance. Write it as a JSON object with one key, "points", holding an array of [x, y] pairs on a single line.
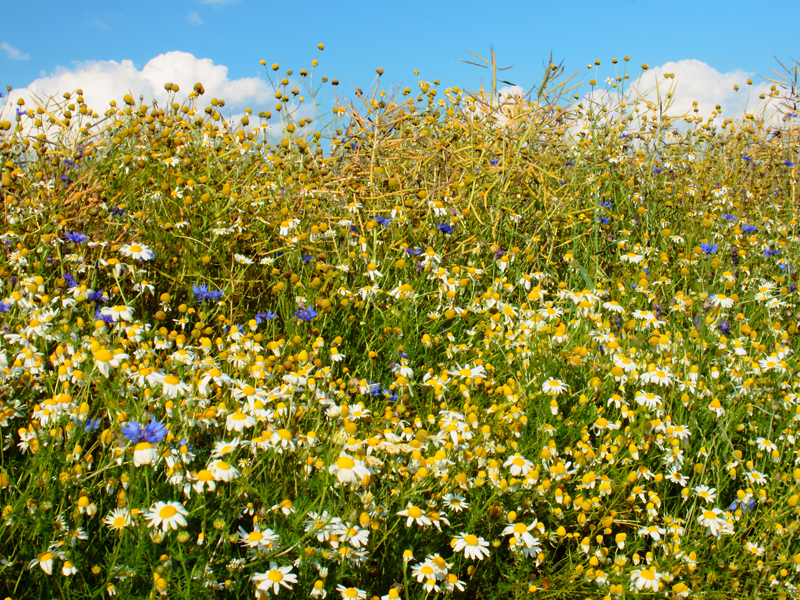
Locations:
{"points": [[373, 388], [445, 228], [4, 307], [604, 220], [202, 293], [107, 319], [569, 163], [153, 432], [354, 229], [725, 327], [96, 296], [495, 162], [414, 251], [749, 228], [770, 252], [71, 283], [656, 170], [22, 113], [383, 220], [709, 248], [306, 314], [747, 158], [275, 254], [116, 211], [605, 204], [728, 217], [76, 237], [306, 257], [402, 354], [745, 507], [264, 316], [788, 163], [88, 425], [66, 180]]}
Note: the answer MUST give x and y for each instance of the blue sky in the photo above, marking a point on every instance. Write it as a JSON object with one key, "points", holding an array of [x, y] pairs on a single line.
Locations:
{"points": [[709, 43]]}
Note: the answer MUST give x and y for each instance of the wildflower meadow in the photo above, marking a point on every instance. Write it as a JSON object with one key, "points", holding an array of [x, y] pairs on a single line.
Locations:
{"points": [[429, 343]]}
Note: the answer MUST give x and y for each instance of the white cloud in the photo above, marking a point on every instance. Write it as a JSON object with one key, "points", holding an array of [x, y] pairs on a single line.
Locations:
{"points": [[13, 53], [694, 81], [106, 80], [697, 81], [194, 18], [98, 23]]}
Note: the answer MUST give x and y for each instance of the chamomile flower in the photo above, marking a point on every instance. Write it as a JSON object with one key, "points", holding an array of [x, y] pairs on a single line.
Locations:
{"points": [[714, 520], [223, 471], [721, 300], [349, 470], [455, 502], [518, 465], [351, 593], [44, 561], [118, 313], [264, 539], [137, 251], [167, 515], [554, 387], [414, 514], [472, 546], [521, 533], [275, 578], [645, 579], [708, 494], [118, 519]]}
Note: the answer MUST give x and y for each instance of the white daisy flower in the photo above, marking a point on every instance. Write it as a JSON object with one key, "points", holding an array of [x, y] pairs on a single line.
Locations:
{"points": [[167, 515]]}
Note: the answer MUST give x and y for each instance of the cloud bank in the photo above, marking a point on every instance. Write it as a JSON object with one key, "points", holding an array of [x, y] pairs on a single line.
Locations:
{"points": [[106, 80], [696, 81]]}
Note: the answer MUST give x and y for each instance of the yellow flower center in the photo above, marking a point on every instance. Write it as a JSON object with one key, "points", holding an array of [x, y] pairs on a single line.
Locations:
{"points": [[223, 466], [345, 462], [648, 574], [103, 355], [171, 380], [136, 248], [275, 576], [415, 512], [167, 512], [471, 540]]}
